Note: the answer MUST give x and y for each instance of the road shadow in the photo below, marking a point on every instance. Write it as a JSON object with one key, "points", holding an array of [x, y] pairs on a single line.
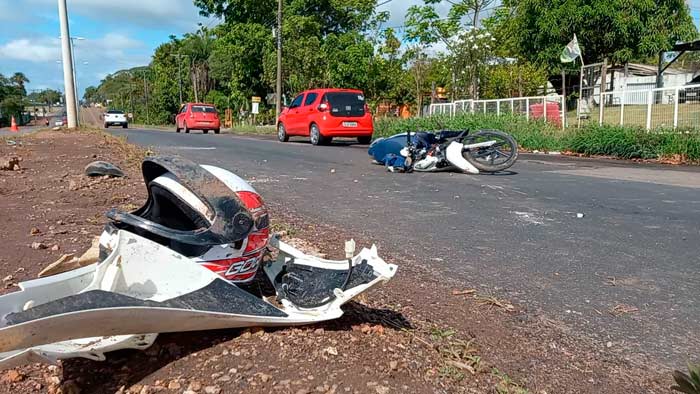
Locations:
{"points": [[128, 367], [500, 173], [335, 142]]}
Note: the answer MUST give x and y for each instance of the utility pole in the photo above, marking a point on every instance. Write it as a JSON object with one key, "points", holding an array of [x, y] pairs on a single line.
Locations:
{"points": [[68, 73], [278, 92], [179, 72]]}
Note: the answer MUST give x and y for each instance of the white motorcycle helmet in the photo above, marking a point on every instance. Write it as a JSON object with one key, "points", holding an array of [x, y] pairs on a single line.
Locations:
{"points": [[203, 212]]}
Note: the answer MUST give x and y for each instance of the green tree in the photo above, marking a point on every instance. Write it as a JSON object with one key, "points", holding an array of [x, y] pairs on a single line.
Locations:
{"points": [[620, 30]]}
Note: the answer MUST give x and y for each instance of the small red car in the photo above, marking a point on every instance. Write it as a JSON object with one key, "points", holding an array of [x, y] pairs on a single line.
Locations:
{"points": [[197, 116], [322, 114]]}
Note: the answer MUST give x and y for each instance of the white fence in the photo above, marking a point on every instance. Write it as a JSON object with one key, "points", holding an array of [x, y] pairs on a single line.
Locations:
{"points": [[672, 107], [530, 107]]}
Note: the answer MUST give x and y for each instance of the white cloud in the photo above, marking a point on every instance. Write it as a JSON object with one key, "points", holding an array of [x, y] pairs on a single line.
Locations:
{"points": [[154, 14], [31, 50], [48, 49]]}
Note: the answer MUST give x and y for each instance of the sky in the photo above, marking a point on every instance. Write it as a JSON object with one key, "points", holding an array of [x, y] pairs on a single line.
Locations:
{"points": [[117, 34]]}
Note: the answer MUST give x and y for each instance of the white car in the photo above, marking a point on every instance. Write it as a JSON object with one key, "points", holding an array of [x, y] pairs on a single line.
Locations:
{"points": [[115, 118]]}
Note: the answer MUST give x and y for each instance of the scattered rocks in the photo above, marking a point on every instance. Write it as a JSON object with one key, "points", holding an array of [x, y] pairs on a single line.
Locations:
{"points": [[55, 248], [174, 385], [194, 386], [212, 390], [13, 376], [38, 245], [34, 231], [331, 350], [10, 163]]}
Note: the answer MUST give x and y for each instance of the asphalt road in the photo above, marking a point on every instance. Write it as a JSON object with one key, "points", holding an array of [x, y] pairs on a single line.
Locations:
{"points": [[516, 235]]}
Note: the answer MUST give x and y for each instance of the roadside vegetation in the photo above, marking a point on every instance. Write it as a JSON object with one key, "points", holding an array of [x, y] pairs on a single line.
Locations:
{"points": [[491, 49], [624, 142]]}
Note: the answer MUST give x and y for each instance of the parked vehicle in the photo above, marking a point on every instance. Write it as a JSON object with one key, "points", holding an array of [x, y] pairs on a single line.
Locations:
{"points": [[62, 120], [484, 150], [690, 94], [197, 116], [115, 117], [323, 114]]}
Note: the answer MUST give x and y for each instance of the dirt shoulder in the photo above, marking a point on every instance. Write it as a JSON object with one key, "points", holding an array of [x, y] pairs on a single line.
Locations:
{"points": [[418, 334]]}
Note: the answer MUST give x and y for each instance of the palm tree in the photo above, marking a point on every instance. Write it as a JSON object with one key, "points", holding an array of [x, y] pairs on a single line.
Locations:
{"points": [[198, 48], [19, 80]]}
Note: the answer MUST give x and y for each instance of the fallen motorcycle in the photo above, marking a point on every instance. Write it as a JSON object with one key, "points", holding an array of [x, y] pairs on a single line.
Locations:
{"points": [[481, 151], [180, 263]]}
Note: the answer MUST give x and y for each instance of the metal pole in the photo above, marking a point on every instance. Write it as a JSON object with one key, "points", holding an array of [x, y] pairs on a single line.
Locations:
{"points": [[75, 83], [278, 90], [603, 76], [179, 74], [563, 99], [68, 72], [145, 93]]}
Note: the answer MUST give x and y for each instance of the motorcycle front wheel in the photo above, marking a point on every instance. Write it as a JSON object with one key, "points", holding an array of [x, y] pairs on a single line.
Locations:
{"points": [[497, 157]]}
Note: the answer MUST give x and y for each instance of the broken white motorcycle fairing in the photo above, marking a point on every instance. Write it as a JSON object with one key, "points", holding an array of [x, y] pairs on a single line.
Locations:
{"points": [[143, 288]]}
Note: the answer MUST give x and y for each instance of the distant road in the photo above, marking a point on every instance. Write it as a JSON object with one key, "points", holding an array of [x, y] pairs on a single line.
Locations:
{"points": [[514, 234]]}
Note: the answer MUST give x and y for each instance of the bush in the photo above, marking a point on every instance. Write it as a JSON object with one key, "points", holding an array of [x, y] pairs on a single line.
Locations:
{"points": [[617, 141]]}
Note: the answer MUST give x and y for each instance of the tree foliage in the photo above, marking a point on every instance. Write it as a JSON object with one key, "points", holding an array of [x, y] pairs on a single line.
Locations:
{"points": [[620, 30], [12, 96]]}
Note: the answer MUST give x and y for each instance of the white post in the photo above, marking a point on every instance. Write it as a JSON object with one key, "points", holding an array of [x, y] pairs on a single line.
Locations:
{"points": [[650, 98], [67, 56], [622, 105], [675, 109], [512, 106], [544, 109], [527, 108], [563, 112], [601, 106], [498, 108]]}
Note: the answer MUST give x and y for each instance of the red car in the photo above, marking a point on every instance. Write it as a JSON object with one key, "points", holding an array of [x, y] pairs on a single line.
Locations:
{"points": [[322, 114], [197, 116]]}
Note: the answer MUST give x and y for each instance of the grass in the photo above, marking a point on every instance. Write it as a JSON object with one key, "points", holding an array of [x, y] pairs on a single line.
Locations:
{"points": [[625, 142], [246, 129], [506, 385], [458, 356]]}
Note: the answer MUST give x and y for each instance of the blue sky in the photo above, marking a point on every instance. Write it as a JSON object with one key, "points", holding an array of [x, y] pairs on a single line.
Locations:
{"points": [[118, 34]]}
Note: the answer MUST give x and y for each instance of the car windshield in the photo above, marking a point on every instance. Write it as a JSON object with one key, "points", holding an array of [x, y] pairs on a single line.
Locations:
{"points": [[204, 108], [346, 103], [115, 112]]}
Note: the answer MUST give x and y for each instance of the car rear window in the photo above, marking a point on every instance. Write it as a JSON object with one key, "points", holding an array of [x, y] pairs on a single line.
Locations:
{"points": [[115, 112], [203, 108], [346, 103]]}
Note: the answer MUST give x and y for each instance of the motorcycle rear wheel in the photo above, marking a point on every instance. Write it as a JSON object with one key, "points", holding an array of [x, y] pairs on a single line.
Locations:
{"points": [[498, 157]]}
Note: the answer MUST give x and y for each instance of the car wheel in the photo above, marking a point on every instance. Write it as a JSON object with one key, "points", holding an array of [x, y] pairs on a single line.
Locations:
{"points": [[364, 140], [177, 129], [125, 126], [282, 132], [315, 135], [205, 131], [217, 131], [187, 129], [106, 126]]}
